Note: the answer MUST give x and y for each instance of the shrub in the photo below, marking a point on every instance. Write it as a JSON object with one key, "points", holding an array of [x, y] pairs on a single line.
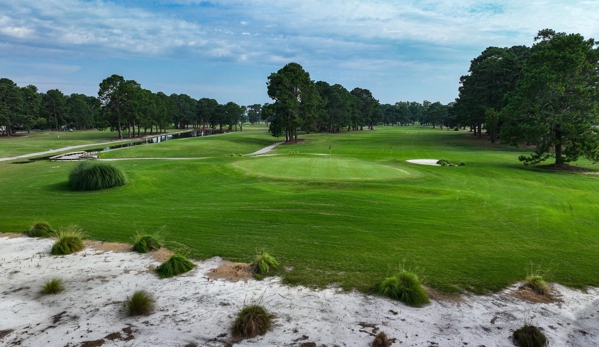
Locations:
{"points": [[529, 336], [443, 162], [92, 175], [537, 284], [381, 340], [40, 229], [53, 286], [146, 243], [141, 303], [263, 263], [175, 265], [68, 240], [252, 321], [405, 287], [462, 164]]}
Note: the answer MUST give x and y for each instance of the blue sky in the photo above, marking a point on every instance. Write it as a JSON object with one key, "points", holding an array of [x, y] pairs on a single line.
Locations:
{"points": [[400, 50]]}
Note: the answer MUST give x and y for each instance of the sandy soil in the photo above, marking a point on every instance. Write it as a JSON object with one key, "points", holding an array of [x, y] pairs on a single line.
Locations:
{"points": [[197, 310]]}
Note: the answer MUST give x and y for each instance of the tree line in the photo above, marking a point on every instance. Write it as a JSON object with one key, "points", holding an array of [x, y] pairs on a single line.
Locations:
{"points": [[545, 96]]}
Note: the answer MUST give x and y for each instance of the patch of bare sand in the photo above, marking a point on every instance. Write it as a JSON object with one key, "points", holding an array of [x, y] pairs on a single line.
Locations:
{"points": [[101, 247], [11, 235], [526, 293], [232, 272]]}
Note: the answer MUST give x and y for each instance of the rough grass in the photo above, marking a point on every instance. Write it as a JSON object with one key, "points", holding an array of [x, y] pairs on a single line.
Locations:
{"points": [[537, 284], [252, 321], [40, 229], [404, 287], [140, 303], [68, 240], [53, 286], [94, 175], [381, 340], [175, 265], [530, 336], [146, 243], [264, 263], [337, 231]]}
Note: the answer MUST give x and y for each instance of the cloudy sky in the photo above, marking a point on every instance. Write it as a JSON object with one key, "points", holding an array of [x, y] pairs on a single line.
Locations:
{"points": [[399, 49]]}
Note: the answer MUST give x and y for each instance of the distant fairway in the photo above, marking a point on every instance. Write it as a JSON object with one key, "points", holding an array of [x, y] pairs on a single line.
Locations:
{"points": [[349, 220], [319, 168]]}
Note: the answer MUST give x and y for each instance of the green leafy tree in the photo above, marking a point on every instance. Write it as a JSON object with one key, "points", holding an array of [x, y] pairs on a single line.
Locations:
{"points": [[54, 108], [121, 101], [555, 103], [368, 106], [205, 109]]}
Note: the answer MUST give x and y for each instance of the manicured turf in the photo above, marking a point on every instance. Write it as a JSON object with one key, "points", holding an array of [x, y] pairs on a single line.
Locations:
{"points": [[476, 227]]}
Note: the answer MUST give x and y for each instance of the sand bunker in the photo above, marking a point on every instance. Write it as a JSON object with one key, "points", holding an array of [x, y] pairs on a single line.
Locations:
{"points": [[197, 310], [431, 162]]}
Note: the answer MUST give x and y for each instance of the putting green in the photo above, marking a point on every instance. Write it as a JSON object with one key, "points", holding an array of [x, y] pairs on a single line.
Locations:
{"points": [[319, 168]]}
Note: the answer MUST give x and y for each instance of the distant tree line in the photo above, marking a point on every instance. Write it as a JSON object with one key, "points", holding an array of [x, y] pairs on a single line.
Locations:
{"points": [[545, 96]]}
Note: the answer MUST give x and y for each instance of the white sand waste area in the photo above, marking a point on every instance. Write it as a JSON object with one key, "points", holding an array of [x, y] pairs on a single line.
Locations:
{"points": [[432, 162], [194, 310]]}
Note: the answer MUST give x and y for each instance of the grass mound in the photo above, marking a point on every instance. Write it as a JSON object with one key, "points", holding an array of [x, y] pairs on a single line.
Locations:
{"points": [[40, 229], [93, 175], [530, 336], [252, 321], [405, 287], [68, 240], [381, 340], [175, 265], [141, 303], [146, 243], [263, 263], [53, 286], [537, 284]]}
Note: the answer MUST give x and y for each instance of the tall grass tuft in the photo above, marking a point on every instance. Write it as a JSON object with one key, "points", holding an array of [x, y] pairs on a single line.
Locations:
{"points": [[252, 321], [404, 287], [175, 265], [530, 336], [146, 243], [93, 175], [263, 263], [53, 286], [40, 229], [68, 240], [141, 303], [537, 284]]}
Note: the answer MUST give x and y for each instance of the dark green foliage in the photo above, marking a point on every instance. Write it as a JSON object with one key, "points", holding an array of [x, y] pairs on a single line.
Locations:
{"points": [[530, 336], [41, 229], [462, 164], [443, 162], [68, 240], [93, 175], [381, 340], [537, 284], [405, 287], [141, 303], [252, 321], [175, 265], [263, 263], [146, 243], [53, 286]]}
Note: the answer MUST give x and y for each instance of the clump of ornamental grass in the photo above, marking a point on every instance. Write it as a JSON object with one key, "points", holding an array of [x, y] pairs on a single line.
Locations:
{"points": [[530, 336], [175, 265], [40, 229], [143, 243], [381, 340], [264, 263], [68, 240], [252, 321], [93, 175], [53, 286], [141, 303], [537, 284], [443, 162], [404, 287]]}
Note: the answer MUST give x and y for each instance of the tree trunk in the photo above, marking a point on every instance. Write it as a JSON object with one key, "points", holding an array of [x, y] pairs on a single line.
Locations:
{"points": [[480, 130]]}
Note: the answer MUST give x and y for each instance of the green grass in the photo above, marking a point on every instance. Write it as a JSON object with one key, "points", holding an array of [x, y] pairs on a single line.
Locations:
{"points": [[93, 175], [68, 240], [53, 286], [140, 303], [252, 321], [264, 263], [175, 265], [40, 229], [146, 243], [404, 287], [473, 227], [537, 284], [529, 336]]}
